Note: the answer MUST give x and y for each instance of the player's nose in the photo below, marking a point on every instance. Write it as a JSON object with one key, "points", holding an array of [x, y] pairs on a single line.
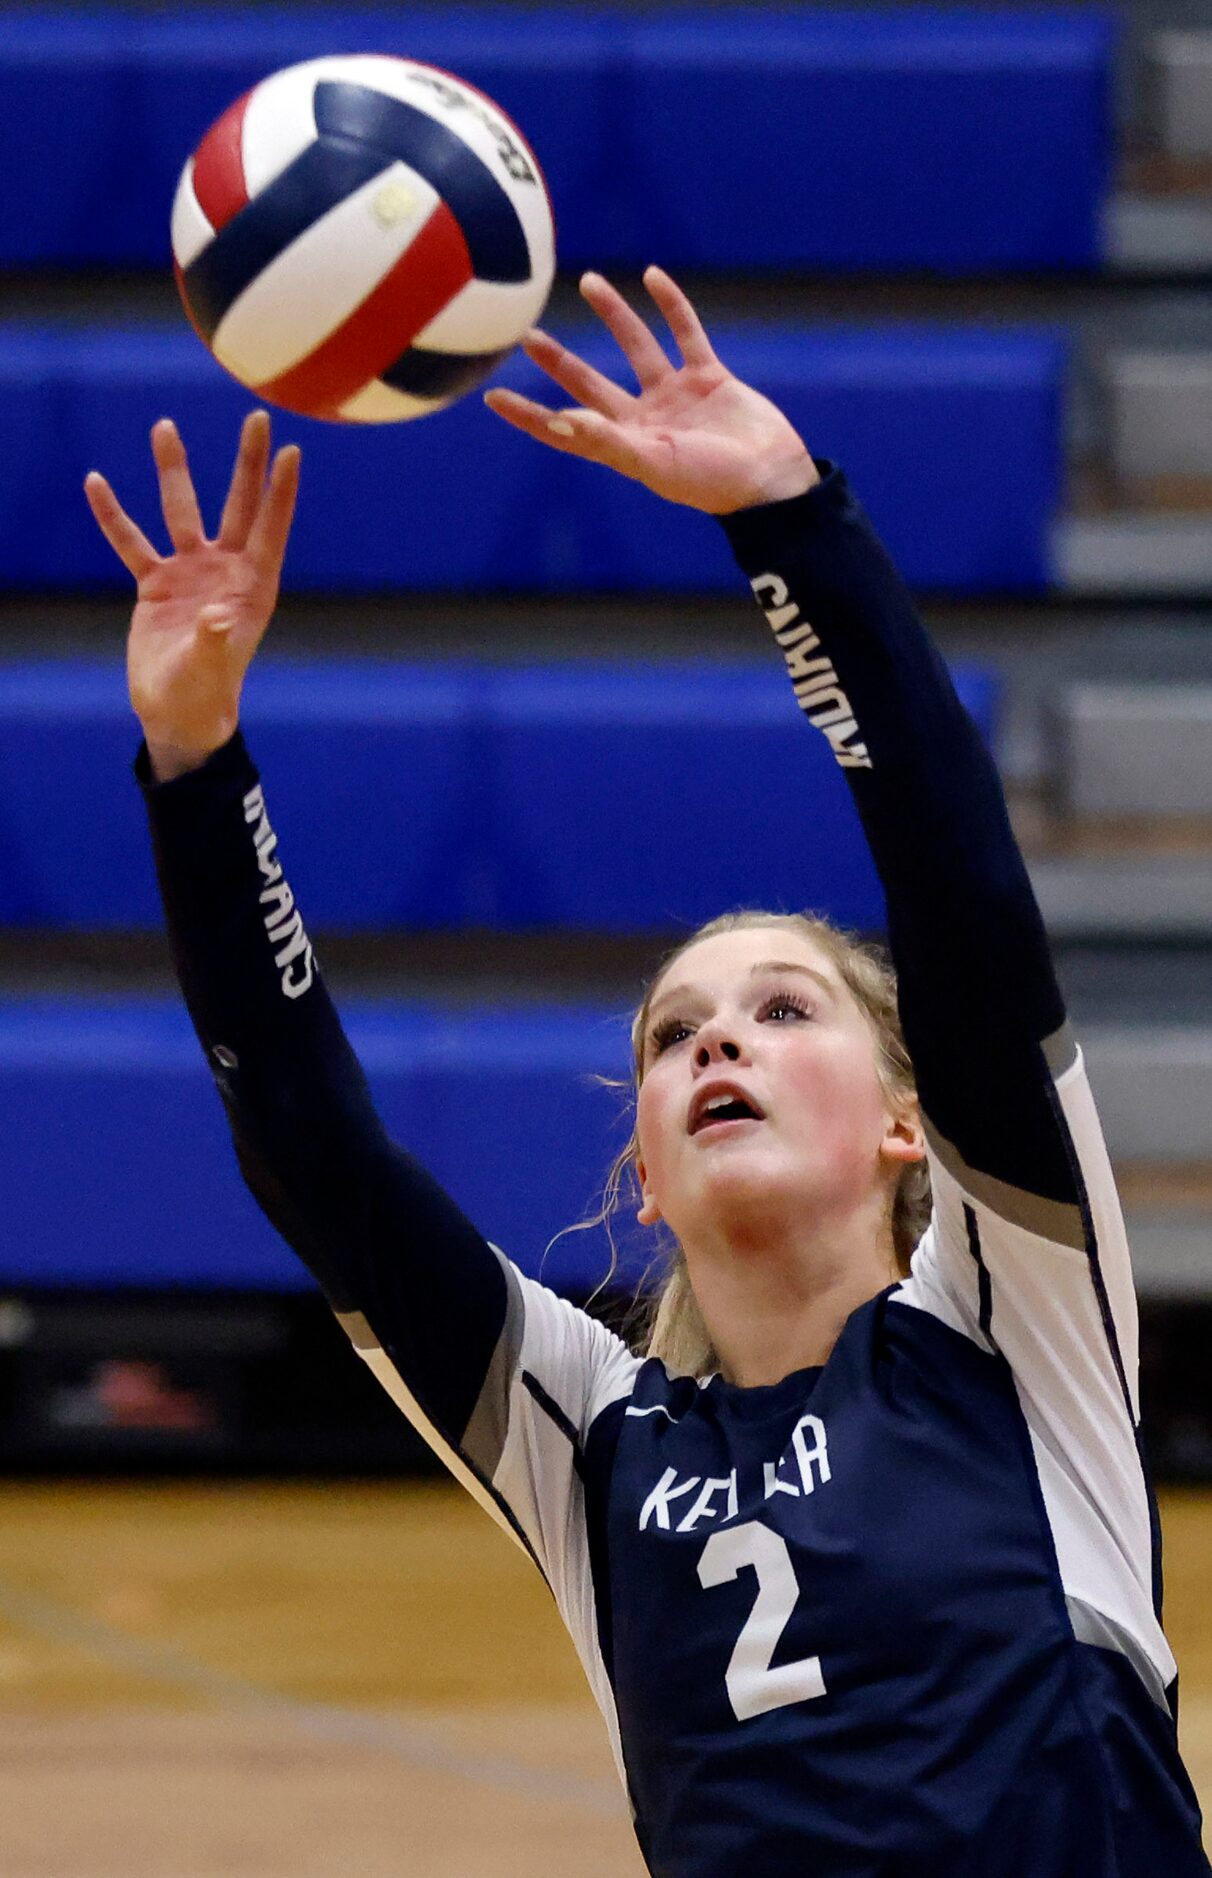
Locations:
{"points": [[715, 1044]]}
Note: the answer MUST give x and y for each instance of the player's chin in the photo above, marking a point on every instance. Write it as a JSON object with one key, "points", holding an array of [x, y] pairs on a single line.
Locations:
{"points": [[747, 1166]]}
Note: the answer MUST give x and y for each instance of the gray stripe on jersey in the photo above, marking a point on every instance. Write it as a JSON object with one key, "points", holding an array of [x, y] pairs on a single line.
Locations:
{"points": [[1091, 1626], [1060, 1050], [484, 1437], [1049, 1219], [358, 1331]]}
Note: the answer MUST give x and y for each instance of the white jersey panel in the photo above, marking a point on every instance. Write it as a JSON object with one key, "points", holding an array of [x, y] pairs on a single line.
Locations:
{"points": [[1106, 1218], [1063, 1316], [579, 1368], [582, 1368], [554, 1371]]}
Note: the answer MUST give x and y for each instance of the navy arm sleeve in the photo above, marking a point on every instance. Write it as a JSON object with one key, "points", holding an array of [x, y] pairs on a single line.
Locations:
{"points": [[978, 995], [385, 1242], [502, 1378]]}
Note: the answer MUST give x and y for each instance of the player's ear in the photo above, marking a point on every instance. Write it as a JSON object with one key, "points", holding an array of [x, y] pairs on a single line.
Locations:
{"points": [[649, 1213], [904, 1140]]}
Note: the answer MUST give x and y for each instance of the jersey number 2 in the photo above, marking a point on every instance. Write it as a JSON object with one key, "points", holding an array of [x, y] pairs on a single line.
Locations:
{"points": [[753, 1687]]}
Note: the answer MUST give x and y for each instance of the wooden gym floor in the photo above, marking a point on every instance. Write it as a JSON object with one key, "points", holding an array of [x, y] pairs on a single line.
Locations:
{"points": [[221, 1680]]}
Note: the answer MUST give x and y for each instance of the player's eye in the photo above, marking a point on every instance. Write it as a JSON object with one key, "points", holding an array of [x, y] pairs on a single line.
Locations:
{"points": [[669, 1030], [781, 1004]]}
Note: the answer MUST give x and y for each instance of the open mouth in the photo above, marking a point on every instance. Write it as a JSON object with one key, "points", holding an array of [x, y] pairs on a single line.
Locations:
{"points": [[718, 1110]]}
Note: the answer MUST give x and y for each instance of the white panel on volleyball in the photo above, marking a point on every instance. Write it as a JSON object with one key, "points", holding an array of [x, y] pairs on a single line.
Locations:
{"points": [[190, 229], [314, 285], [280, 121], [450, 101], [378, 403], [484, 316]]}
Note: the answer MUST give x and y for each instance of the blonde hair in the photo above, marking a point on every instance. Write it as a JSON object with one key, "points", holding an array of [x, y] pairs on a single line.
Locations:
{"points": [[671, 1326]]}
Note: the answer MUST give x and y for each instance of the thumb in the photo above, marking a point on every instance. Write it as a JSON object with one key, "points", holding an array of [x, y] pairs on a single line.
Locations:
{"points": [[218, 637], [214, 624]]}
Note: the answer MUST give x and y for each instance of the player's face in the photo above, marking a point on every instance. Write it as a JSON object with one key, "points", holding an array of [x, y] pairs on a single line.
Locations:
{"points": [[761, 1095]]}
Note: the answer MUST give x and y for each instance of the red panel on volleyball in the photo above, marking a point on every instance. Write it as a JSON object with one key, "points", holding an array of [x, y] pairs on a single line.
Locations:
{"points": [[424, 279], [219, 167]]}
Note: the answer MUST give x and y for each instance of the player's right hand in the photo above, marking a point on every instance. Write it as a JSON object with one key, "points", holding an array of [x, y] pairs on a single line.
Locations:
{"points": [[202, 610]]}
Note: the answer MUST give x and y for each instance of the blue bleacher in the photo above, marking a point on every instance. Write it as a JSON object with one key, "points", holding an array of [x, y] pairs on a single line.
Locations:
{"points": [[867, 140], [952, 435], [590, 796], [958, 140], [117, 1169]]}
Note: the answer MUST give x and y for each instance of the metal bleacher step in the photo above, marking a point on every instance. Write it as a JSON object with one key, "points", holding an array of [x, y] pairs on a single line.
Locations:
{"points": [[1152, 1080], [1133, 554], [1119, 832], [1146, 233], [1168, 1213], [1178, 74], [1144, 527], [1153, 1086], [1136, 897], [1160, 223], [1138, 750], [1159, 415], [1171, 1253]]}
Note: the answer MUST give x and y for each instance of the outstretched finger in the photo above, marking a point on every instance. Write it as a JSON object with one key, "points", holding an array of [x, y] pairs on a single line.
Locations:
{"points": [[573, 375], [586, 434], [680, 317], [247, 481], [125, 537], [270, 531], [182, 516], [639, 346]]}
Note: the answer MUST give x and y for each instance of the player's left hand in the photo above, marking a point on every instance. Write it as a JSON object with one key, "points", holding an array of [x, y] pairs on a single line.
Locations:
{"points": [[693, 434]]}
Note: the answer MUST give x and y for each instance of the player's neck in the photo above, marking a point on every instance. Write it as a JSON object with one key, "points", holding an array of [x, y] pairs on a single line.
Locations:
{"points": [[773, 1308]]}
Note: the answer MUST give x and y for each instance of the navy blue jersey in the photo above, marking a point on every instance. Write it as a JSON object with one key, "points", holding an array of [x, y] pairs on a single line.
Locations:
{"points": [[895, 1616]]}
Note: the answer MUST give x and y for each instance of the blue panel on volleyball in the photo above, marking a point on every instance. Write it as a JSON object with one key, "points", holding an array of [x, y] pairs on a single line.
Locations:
{"points": [[640, 803], [375, 785], [117, 1167], [959, 140], [953, 437]]}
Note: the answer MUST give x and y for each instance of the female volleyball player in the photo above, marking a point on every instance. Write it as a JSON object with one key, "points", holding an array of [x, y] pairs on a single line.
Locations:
{"points": [[865, 1575]]}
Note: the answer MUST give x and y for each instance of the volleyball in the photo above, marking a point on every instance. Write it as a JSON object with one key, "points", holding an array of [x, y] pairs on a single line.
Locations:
{"points": [[362, 238]]}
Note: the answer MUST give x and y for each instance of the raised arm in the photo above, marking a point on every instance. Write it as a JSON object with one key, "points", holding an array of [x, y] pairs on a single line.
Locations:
{"points": [[978, 994], [982, 1013], [1026, 1253], [443, 1319]]}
